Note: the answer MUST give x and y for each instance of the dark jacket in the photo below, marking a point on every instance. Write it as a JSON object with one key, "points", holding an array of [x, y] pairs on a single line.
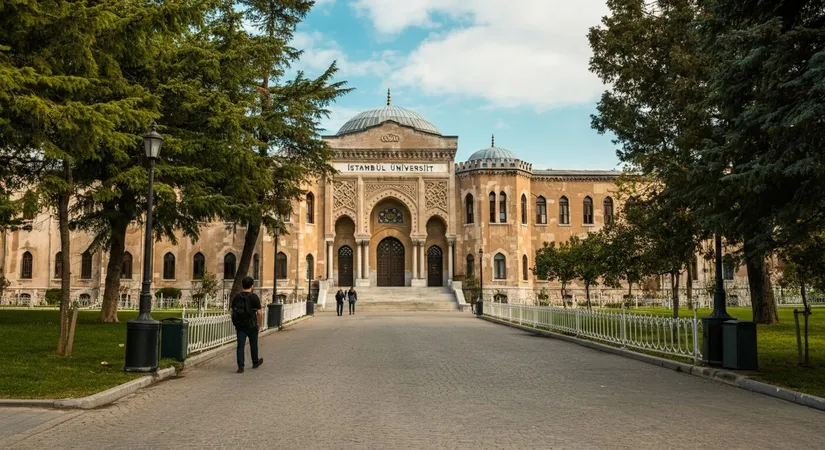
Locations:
{"points": [[339, 296], [352, 296]]}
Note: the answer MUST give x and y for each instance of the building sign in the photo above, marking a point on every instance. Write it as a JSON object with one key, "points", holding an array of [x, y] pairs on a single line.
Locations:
{"points": [[389, 168], [390, 138]]}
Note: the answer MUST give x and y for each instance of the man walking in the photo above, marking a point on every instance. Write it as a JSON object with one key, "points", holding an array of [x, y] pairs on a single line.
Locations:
{"points": [[352, 296], [339, 302], [247, 316]]}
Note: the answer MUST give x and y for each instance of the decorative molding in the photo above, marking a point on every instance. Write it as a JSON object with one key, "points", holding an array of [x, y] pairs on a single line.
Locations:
{"points": [[408, 189], [392, 190], [386, 154], [343, 194], [390, 138], [436, 195]]}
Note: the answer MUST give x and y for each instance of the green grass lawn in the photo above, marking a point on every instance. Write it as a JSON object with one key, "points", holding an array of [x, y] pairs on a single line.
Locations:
{"points": [[777, 347], [30, 367]]}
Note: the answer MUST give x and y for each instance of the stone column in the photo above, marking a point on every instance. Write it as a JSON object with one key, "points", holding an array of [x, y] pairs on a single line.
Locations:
{"points": [[360, 261], [451, 244], [423, 271], [329, 259], [415, 260], [366, 259]]}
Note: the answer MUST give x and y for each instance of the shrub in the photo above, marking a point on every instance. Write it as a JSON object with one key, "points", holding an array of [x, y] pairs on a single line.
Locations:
{"points": [[168, 292], [53, 296]]}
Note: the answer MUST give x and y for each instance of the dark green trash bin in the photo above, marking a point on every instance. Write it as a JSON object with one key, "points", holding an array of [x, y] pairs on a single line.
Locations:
{"points": [[479, 308], [310, 308], [739, 345], [174, 338]]}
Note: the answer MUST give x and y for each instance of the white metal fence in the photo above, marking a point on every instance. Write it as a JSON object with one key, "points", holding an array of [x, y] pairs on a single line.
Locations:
{"points": [[678, 337], [209, 330]]}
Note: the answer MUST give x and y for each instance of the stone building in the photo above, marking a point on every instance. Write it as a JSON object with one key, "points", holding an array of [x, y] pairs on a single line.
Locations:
{"points": [[399, 212]]}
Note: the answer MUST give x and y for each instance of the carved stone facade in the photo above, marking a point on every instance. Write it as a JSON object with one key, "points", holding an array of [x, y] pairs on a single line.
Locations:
{"points": [[397, 188]]}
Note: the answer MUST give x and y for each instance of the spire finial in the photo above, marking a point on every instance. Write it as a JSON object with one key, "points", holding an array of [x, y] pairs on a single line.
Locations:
{"points": [[389, 100], [493, 143]]}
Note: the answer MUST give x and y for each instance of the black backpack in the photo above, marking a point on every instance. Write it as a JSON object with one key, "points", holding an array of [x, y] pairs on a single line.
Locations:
{"points": [[242, 315]]}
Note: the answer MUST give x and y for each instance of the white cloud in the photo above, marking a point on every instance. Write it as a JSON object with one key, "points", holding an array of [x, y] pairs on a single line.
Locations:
{"points": [[534, 54], [320, 52]]}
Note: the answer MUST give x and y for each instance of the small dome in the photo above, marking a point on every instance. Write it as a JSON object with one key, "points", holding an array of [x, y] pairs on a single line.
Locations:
{"points": [[378, 116], [492, 152]]}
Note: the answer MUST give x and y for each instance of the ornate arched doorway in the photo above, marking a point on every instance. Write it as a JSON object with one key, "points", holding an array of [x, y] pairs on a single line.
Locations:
{"points": [[345, 266], [390, 254], [435, 268]]}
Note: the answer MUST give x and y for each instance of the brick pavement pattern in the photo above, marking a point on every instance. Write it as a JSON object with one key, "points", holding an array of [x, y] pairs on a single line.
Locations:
{"points": [[434, 380]]}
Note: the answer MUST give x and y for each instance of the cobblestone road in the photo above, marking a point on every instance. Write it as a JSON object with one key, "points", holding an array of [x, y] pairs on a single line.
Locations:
{"points": [[428, 380]]}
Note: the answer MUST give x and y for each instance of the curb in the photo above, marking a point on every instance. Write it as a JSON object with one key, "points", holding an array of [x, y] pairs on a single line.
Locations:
{"points": [[130, 387], [708, 373]]}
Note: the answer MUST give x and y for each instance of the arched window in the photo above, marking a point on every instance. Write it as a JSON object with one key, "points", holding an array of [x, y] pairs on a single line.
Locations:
{"points": [[86, 265], [468, 209], [25, 299], [492, 207], [564, 211], [88, 206], [588, 210], [229, 266], [310, 208], [58, 266], [126, 266], [26, 266], [608, 210], [499, 267], [198, 266], [730, 271], [310, 267], [85, 300], [470, 266], [524, 267], [169, 266], [541, 211], [502, 207], [524, 209], [280, 266], [256, 267]]}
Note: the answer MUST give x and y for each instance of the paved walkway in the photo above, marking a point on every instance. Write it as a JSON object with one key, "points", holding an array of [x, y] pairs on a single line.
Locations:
{"points": [[433, 380]]}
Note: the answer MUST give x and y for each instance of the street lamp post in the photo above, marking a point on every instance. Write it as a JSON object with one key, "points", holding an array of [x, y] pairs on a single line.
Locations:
{"points": [[712, 324], [275, 310], [480, 300], [143, 333]]}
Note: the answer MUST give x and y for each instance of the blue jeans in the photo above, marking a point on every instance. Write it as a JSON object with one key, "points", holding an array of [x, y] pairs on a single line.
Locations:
{"points": [[352, 306], [339, 307], [243, 333]]}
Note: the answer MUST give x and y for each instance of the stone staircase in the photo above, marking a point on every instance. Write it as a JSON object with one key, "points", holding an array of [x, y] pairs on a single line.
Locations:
{"points": [[399, 299]]}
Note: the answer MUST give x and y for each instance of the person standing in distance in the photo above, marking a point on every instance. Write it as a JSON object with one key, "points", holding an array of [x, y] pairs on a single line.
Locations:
{"points": [[352, 296], [247, 316], [339, 302]]}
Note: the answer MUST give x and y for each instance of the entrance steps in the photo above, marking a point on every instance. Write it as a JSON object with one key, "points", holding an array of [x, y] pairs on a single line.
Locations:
{"points": [[371, 298]]}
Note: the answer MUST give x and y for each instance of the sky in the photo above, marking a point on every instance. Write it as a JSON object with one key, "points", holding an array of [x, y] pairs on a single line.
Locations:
{"points": [[514, 68]]}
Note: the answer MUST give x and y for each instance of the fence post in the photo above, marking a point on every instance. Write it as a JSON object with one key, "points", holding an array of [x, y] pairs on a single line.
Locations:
{"points": [[578, 321], [624, 326], [695, 338]]}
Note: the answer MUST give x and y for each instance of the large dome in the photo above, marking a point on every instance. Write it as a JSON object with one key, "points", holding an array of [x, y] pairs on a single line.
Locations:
{"points": [[378, 116], [493, 152]]}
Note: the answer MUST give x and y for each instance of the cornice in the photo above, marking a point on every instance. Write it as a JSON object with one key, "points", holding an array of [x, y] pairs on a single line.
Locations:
{"points": [[383, 154]]}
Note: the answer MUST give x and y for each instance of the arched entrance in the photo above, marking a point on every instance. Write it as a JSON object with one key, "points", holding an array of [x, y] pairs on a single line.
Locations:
{"points": [[435, 270], [345, 266], [390, 262]]}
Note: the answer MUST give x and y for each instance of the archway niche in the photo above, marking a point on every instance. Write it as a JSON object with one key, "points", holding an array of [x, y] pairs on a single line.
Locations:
{"points": [[390, 218], [345, 256], [436, 252]]}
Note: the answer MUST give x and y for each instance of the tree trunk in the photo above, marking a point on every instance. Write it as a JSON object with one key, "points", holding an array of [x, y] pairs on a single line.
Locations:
{"points": [[587, 294], [763, 303], [689, 286], [674, 293], [629, 289], [111, 290], [66, 263], [564, 294], [252, 232]]}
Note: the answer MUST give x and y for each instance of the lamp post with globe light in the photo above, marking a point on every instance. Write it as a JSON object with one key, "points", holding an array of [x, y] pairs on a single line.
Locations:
{"points": [[143, 333]]}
